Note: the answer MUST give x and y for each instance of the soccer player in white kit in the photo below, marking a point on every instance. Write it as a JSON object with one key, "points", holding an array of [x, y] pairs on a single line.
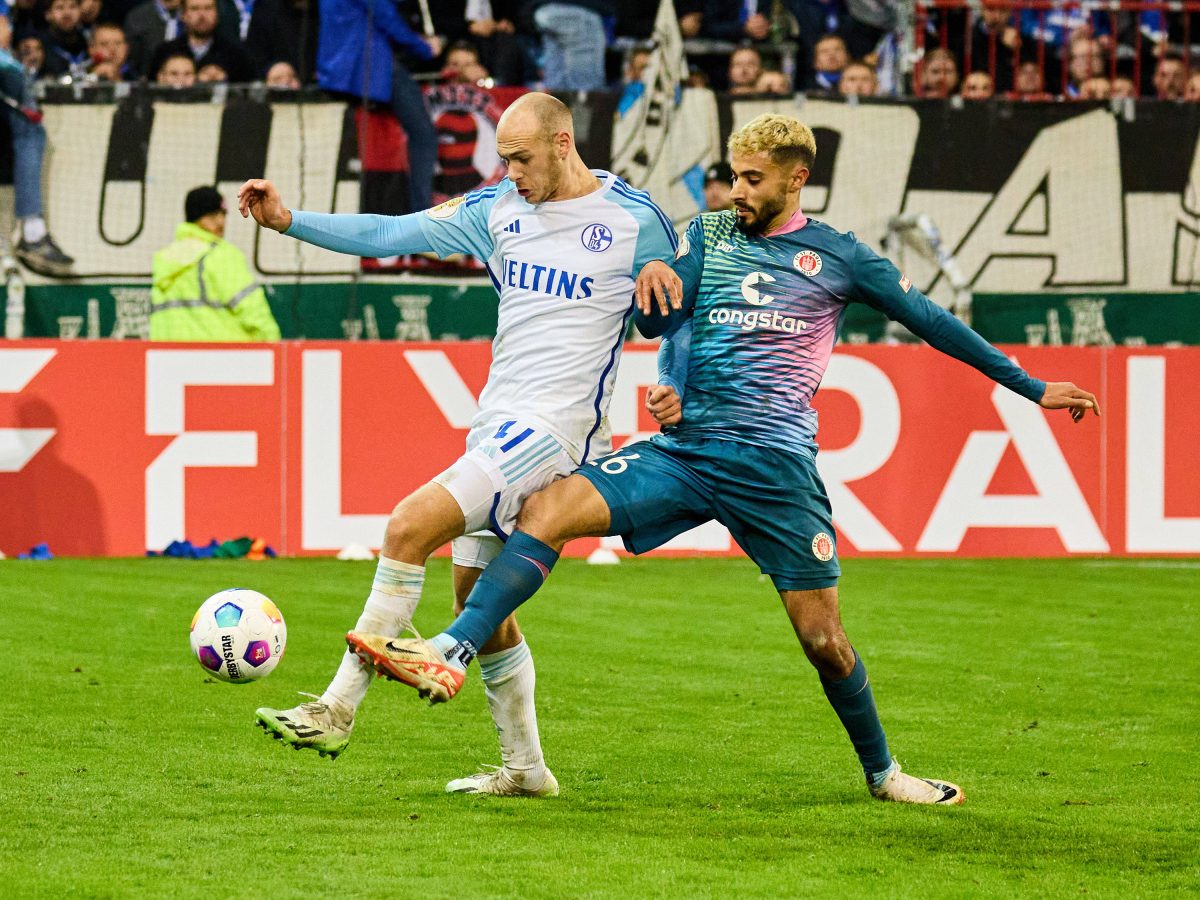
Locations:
{"points": [[563, 245]]}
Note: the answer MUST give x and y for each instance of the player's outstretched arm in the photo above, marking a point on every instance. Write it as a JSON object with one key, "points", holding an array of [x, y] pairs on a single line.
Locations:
{"points": [[357, 235], [1065, 395], [454, 227], [880, 284]]}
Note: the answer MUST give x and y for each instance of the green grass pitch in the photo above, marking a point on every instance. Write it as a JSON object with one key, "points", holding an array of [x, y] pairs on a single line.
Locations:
{"points": [[696, 752]]}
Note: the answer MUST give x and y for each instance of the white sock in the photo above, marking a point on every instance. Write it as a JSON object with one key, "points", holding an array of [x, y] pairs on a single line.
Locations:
{"points": [[447, 644], [395, 593], [33, 228], [508, 681]]}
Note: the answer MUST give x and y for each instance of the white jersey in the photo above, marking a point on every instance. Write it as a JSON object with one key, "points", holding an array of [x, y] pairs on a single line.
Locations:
{"points": [[565, 272]]}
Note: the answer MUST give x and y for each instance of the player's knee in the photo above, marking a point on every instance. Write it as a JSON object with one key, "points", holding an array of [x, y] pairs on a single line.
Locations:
{"points": [[405, 532], [815, 639], [827, 649]]}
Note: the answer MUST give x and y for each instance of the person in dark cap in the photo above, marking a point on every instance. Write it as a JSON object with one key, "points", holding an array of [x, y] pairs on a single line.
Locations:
{"points": [[202, 288], [718, 182]]}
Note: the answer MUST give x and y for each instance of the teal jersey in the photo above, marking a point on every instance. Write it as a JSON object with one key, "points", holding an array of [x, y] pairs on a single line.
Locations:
{"points": [[764, 314]]}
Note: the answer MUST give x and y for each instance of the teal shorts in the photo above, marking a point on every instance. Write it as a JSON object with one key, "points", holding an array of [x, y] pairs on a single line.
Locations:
{"points": [[772, 501]]}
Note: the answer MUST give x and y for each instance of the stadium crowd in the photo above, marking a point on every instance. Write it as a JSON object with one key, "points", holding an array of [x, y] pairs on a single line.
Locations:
{"points": [[1058, 50]]}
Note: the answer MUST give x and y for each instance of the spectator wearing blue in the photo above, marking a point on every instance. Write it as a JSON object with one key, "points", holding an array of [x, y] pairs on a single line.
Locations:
{"points": [[861, 24], [359, 54], [203, 42], [830, 57], [723, 20], [1056, 27], [573, 41], [66, 42], [35, 247]]}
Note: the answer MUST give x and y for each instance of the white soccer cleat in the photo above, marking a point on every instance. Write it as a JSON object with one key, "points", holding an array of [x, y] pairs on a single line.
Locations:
{"points": [[503, 783], [312, 726], [904, 788]]}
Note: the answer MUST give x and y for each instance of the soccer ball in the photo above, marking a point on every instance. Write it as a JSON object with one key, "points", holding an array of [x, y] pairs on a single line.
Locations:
{"points": [[238, 635]]}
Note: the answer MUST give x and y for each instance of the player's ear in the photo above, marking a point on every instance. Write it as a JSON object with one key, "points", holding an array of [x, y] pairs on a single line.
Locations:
{"points": [[562, 143], [799, 177]]}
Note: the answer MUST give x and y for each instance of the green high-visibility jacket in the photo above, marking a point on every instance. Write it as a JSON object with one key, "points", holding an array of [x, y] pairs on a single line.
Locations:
{"points": [[203, 291]]}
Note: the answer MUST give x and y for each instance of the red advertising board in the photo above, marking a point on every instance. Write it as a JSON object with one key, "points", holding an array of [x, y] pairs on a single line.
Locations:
{"points": [[108, 448]]}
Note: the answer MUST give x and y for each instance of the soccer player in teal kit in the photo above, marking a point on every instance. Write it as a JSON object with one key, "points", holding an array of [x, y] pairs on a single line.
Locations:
{"points": [[757, 296]]}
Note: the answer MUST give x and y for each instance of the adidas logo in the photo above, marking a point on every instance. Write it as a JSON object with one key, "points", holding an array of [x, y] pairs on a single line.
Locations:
{"points": [[724, 245], [513, 227]]}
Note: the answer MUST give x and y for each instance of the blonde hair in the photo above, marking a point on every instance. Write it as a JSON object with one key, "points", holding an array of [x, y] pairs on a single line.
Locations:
{"points": [[786, 140]]}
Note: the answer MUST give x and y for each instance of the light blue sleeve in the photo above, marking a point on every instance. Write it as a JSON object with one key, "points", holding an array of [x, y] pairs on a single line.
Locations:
{"points": [[461, 225], [457, 226], [7, 60], [360, 235], [656, 235], [656, 238]]}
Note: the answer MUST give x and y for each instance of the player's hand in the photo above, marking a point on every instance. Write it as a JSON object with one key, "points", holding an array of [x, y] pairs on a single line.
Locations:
{"points": [[260, 198], [664, 404], [658, 283], [1064, 395]]}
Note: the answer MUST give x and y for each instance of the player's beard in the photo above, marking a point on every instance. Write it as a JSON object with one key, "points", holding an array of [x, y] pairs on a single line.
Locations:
{"points": [[763, 215], [553, 178]]}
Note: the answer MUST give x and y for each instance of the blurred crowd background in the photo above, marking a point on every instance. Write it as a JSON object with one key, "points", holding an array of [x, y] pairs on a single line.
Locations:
{"points": [[1034, 49]]}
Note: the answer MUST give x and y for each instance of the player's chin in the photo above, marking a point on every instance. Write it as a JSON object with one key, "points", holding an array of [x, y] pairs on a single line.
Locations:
{"points": [[747, 221]]}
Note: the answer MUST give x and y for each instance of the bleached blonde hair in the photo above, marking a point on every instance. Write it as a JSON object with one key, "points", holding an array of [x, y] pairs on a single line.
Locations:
{"points": [[786, 140]]}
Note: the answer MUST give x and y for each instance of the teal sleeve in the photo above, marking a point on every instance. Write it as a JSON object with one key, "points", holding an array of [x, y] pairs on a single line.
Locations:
{"points": [[881, 286], [673, 356], [688, 265]]}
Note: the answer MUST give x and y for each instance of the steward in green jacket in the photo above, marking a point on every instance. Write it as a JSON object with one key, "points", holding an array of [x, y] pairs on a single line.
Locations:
{"points": [[203, 290]]}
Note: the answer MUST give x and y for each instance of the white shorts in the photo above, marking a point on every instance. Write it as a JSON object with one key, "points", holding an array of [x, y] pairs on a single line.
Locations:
{"points": [[506, 461]]}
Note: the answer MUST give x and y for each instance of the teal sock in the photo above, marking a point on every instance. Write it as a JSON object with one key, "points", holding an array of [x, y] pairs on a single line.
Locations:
{"points": [[509, 580], [852, 700]]}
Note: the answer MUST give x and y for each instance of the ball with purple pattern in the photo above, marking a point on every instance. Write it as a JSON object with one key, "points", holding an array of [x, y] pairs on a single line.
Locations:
{"points": [[238, 635]]}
